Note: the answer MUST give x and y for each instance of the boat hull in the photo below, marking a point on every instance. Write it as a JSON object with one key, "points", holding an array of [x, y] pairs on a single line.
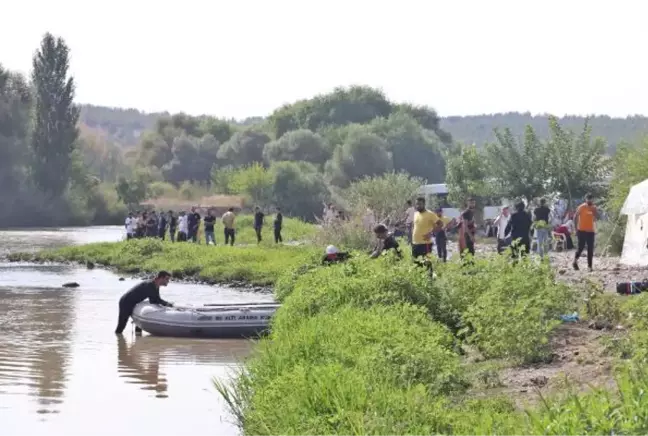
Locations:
{"points": [[213, 322]]}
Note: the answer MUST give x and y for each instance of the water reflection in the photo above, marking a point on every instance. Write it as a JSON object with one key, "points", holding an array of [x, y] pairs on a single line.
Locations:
{"points": [[133, 366], [58, 352], [140, 361], [35, 344]]}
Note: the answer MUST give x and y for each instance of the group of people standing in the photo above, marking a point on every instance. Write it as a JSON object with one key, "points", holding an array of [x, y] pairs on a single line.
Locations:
{"points": [[185, 226], [521, 225]]}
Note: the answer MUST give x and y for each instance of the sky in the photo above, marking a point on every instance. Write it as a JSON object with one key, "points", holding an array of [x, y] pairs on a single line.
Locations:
{"points": [[240, 58]]}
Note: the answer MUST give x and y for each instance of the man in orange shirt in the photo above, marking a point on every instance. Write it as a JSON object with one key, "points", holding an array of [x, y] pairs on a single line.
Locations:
{"points": [[585, 219]]}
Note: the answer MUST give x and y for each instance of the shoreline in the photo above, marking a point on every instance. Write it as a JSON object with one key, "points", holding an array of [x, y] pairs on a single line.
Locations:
{"points": [[191, 280]]}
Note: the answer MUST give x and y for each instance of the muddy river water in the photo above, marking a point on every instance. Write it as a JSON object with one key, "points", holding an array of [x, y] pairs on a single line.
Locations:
{"points": [[64, 372]]}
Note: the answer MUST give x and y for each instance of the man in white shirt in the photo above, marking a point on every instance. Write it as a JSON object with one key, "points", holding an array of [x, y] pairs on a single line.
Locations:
{"points": [[130, 226], [501, 222], [409, 220], [183, 227]]}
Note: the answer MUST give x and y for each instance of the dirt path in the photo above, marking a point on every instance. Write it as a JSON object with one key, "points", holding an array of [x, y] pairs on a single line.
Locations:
{"points": [[579, 362]]}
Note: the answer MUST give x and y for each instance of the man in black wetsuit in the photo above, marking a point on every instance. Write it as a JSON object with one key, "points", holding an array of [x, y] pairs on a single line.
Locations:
{"points": [[139, 293]]}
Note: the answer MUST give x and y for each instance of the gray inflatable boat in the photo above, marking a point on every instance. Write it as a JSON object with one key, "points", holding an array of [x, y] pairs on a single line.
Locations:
{"points": [[212, 321]]}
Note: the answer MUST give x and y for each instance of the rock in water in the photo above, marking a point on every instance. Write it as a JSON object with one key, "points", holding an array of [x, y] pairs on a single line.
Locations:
{"points": [[71, 285], [90, 265], [121, 279]]}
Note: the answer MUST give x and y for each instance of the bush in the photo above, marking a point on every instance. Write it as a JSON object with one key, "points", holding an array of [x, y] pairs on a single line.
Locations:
{"points": [[371, 346], [502, 310], [346, 234], [347, 372]]}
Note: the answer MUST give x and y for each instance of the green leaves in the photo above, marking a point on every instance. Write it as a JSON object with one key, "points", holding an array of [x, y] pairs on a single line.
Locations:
{"points": [[56, 117]]}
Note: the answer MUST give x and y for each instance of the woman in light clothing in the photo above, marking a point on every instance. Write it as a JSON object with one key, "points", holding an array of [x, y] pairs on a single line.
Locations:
{"points": [[501, 222]]}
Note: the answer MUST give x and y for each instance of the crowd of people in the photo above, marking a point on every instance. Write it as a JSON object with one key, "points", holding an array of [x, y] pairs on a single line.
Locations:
{"points": [[520, 230], [185, 226]]}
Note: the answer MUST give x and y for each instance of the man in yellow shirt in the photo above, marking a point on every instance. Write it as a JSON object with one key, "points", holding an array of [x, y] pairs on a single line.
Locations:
{"points": [[425, 224]]}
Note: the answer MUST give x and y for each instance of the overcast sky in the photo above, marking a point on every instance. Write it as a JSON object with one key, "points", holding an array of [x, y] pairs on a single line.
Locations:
{"points": [[239, 58]]}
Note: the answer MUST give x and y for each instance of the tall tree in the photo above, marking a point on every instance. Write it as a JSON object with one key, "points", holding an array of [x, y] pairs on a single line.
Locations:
{"points": [[56, 116], [577, 164], [15, 101], [467, 174], [519, 167]]}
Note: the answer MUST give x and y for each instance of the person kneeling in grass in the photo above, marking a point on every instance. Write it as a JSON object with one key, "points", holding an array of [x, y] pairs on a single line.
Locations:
{"points": [[386, 241], [333, 255]]}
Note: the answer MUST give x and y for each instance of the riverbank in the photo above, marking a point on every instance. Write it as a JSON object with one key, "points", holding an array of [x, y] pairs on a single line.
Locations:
{"points": [[251, 265], [375, 347]]}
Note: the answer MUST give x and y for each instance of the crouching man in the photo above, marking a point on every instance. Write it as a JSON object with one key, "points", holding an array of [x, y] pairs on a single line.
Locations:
{"points": [[148, 289]]}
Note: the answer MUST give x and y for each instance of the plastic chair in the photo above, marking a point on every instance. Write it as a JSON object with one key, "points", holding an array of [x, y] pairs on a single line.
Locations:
{"points": [[558, 239]]}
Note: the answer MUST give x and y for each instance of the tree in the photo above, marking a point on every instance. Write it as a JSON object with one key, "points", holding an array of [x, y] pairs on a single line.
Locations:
{"points": [[362, 154], [298, 145], [467, 174], [298, 189], [131, 191], [427, 118], [15, 104], [519, 168], [56, 117], [385, 195], [355, 104], [577, 164], [244, 148], [414, 150], [255, 182]]}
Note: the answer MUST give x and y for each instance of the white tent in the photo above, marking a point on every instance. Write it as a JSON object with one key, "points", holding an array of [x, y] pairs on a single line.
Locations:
{"points": [[635, 244]]}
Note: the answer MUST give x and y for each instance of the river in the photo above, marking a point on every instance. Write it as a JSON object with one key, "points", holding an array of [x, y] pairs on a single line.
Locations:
{"points": [[64, 372]]}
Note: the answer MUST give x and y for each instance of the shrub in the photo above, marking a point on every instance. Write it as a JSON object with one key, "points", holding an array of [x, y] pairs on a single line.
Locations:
{"points": [[507, 309], [348, 372]]}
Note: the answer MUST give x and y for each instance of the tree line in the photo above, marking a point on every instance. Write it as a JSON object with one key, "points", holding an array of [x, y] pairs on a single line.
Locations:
{"points": [[567, 163], [44, 178], [60, 166]]}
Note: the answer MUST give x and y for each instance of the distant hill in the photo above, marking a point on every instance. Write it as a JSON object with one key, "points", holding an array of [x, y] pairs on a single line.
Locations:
{"points": [[478, 129], [125, 126]]}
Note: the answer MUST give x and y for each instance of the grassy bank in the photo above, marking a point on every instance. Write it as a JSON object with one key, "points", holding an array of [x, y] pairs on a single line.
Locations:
{"points": [[375, 347], [257, 265]]}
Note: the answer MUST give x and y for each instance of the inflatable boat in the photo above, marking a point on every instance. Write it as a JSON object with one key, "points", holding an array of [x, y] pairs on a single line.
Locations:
{"points": [[209, 321]]}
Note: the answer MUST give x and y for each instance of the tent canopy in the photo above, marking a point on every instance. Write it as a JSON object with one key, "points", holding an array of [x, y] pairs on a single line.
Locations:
{"points": [[637, 201]]}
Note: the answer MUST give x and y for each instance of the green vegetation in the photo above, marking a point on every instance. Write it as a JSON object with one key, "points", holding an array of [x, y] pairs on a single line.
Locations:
{"points": [[566, 163], [299, 156], [214, 264], [376, 347]]}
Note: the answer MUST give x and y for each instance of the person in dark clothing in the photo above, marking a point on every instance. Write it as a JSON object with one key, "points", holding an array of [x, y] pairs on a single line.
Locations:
{"points": [[386, 241], [162, 226], [173, 225], [258, 222], [278, 225], [334, 256], [139, 293], [209, 222], [541, 224], [468, 227], [519, 227], [441, 237], [194, 224], [151, 225]]}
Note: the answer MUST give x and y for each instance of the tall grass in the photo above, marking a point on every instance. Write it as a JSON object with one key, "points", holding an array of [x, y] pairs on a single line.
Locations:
{"points": [[218, 264], [374, 347]]}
